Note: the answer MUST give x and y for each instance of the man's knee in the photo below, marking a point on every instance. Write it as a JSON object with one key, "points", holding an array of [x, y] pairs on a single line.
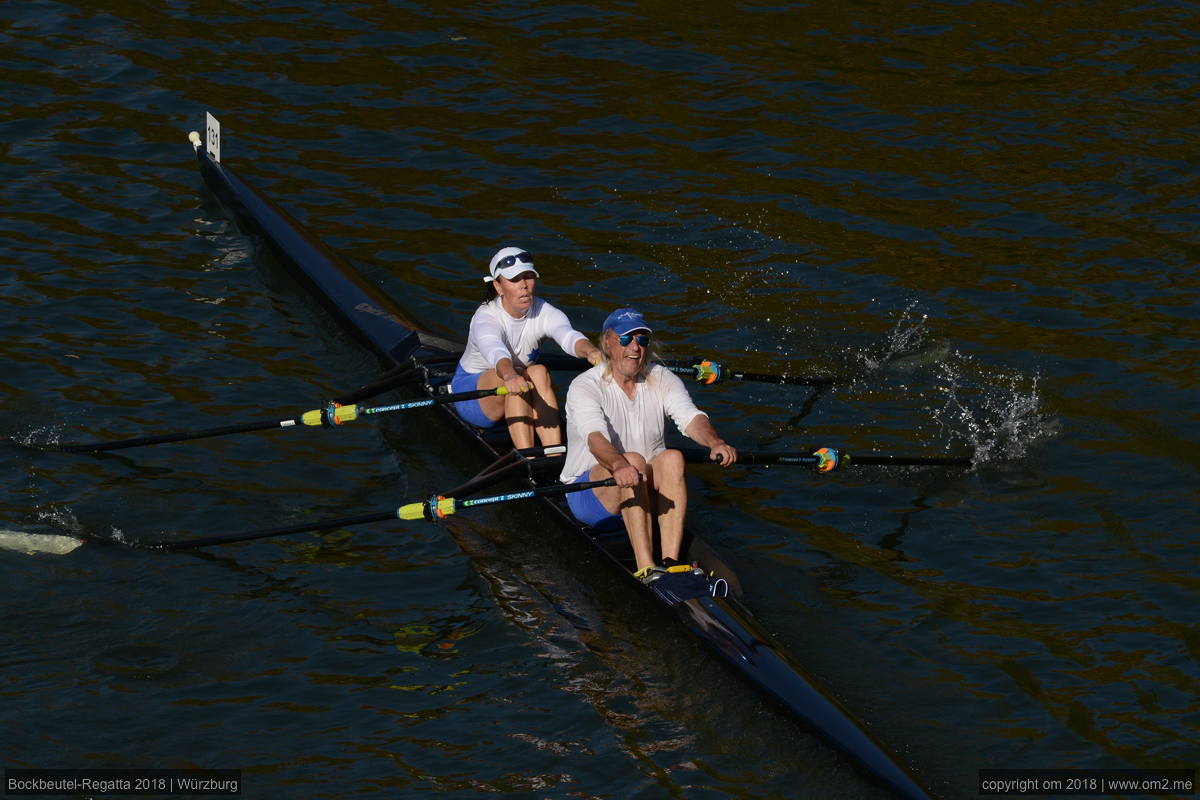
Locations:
{"points": [[636, 460], [669, 462]]}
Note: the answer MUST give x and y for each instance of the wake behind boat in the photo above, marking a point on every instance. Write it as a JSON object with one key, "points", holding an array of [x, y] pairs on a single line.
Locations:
{"points": [[706, 596]]}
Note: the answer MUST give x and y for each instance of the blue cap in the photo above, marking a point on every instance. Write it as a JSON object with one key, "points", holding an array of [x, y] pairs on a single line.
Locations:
{"points": [[624, 320]]}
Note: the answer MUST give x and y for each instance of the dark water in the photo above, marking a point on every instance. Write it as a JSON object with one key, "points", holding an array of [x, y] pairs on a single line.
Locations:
{"points": [[984, 212]]}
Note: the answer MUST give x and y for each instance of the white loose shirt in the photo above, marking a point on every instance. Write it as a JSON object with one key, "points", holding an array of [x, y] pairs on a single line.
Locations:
{"points": [[636, 424], [495, 335]]}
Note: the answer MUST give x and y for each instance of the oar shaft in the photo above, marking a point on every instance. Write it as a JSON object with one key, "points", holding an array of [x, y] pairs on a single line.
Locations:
{"points": [[908, 461], [434, 507], [702, 370], [791, 380], [207, 433], [541, 491], [838, 459], [286, 530], [438, 400], [332, 414], [507, 465], [710, 372], [445, 506], [777, 458], [749, 457]]}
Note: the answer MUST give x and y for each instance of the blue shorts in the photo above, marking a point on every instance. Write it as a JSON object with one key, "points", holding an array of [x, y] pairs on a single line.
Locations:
{"points": [[469, 410], [588, 509]]}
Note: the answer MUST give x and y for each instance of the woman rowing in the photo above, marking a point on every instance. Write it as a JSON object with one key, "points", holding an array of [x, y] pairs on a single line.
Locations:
{"points": [[502, 350]]}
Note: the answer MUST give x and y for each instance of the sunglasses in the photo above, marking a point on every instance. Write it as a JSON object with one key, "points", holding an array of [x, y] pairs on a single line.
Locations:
{"points": [[508, 261], [624, 339]]}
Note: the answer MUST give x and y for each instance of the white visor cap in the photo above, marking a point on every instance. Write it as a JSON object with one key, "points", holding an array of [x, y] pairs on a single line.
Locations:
{"points": [[510, 262]]}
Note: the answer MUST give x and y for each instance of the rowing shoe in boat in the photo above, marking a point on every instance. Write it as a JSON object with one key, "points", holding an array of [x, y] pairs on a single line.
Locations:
{"points": [[706, 598]]}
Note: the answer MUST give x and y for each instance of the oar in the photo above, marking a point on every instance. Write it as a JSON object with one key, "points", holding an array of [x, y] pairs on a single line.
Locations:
{"points": [[826, 459], [703, 370], [512, 462], [712, 372], [331, 414], [434, 508]]}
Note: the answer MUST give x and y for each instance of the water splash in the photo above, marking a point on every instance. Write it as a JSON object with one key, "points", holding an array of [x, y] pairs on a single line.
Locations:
{"points": [[44, 437], [114, 536], [998, 413], [908, 343], [1000, 420]]}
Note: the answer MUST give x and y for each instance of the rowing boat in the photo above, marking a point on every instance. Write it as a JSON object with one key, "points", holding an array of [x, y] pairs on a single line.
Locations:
{"points": [[707, 599]]}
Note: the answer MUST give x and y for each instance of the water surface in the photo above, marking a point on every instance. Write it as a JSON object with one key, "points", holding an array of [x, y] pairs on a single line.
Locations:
{"points": [[983, 213]]}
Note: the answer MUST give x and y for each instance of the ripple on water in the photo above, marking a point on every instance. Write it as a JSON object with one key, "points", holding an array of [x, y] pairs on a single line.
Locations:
{"points": [[141, 660]]}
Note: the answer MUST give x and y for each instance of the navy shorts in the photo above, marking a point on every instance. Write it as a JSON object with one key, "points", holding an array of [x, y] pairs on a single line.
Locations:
{"points": [[588, 509], [469, 410]]}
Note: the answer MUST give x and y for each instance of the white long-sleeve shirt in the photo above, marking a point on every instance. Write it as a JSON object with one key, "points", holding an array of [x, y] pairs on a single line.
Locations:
{"points": [[636, 424], [494, 335]]}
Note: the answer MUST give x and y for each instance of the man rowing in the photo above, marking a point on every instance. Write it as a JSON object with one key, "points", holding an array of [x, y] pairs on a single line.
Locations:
{"points": [[502, 350], [616, 416]]}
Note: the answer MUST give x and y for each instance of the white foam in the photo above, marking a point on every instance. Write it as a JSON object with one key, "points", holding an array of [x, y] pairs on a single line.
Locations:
{"points": [[34, 543]]}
